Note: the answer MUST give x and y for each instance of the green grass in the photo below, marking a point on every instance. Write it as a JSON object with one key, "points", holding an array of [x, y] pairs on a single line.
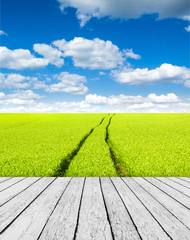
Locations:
{"points": [[65, 145], [152, 144], [36, 144], [93, 159]]}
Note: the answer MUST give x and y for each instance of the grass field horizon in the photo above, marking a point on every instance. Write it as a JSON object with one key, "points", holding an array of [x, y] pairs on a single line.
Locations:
{"points": [[94, 144]]}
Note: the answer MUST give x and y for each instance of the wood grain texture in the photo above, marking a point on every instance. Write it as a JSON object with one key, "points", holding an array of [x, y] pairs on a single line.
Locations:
{"points": [[12, 209], [175, 229], [3, 179], [93, 222], [186, 179], [181, 198], [175, 185], [147, 226], [30, 223], [173, 206], [6, 184], [63, 221], [121, 223], [11, 192], [181, 182], [94, 208]]}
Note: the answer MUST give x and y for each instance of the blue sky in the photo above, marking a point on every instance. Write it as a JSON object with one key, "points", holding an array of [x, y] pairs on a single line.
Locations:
{"points": [[103, 56]]}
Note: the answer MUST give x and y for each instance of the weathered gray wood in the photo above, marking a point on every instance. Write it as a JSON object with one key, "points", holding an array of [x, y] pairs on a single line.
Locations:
{"points": [[13, 208], [170, 191], [3, 179], [186, 179], [31, 222], [181, 212], [121, 223], [93, 223], [56, 209], [170, 224], [181, 182], [62, 223], [10, 192], [9, 183], [147, 226], [175, 185]]}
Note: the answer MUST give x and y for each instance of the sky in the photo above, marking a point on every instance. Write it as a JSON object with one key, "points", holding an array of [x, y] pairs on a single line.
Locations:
{"points": [[95, 56]]}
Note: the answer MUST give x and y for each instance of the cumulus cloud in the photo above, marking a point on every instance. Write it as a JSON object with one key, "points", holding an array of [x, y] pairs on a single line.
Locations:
{"points": [[126, 99], [52, 55], [2, 33], [126, 103], [92, 54], [169, 98], [24, 95], [126, 8], [19, 59], [130, 54], [64, 82], [19, 102], [13, 80], [69, 83], [187, 28], [2, 95], [166, 73], [21, 97]]}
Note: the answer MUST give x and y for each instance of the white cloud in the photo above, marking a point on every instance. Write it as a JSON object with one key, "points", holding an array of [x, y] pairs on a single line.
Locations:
{"points": [[2, 95], [52, 55], [23, 97], [69, 83], [2, 33], [20, 59], [169, 98], [187, 28], [126, 100], [166, 73], [126, 8], [65, 82], [93, 54], [19, 102], [13, 80], [102, 73], [130, 54], [84, 18], [146, 105]]}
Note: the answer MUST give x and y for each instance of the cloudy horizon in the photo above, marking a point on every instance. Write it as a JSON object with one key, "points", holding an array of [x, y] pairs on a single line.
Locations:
{"points": [[79, 56]]}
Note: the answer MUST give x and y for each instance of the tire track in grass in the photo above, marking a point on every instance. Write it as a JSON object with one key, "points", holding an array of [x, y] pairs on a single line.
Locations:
{"points": [[93, 159], [65, 162], [119, 168]]}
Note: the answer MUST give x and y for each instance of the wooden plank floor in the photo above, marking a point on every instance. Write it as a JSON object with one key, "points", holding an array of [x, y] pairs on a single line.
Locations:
{"points": [[94, 208]]}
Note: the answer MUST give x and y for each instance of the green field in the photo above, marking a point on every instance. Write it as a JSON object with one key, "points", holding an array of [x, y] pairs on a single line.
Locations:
{"points": [[94, 144]]}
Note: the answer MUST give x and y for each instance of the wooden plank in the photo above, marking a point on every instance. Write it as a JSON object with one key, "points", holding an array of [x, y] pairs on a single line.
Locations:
{"points": [[31, 222], [170, 224], [11, 210], [9, 183], [146, 225], [122, 225], [9, 193], [93, 222], [175, 185], [181, 212], [186, 179], [181, 182], [63, 221], [170, 191], [3, 179]]}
